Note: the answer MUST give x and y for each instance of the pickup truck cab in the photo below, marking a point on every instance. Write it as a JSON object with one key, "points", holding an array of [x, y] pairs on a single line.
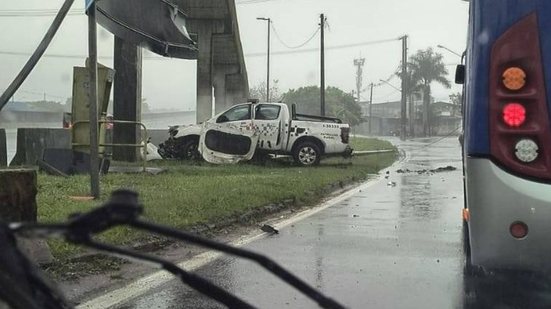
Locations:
{"points": [[244, 130]]}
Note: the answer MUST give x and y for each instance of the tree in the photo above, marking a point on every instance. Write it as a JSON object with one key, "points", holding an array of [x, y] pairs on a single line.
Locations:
{"points": [[337, 103], [457, 101], [413, 85], [259, 92], [428, 67]]}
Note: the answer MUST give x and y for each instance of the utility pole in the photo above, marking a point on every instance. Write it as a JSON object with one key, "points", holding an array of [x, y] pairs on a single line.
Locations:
{"points": [[269, 22], [403, 120], [322, 48], [412, 115], [359, 63], [93, 97], [370, 109]]}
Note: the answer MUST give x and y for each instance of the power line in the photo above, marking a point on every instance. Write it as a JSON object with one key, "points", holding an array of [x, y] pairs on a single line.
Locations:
{"points": [[78, 12], [386, 96], [297, 46], [260, 54]]}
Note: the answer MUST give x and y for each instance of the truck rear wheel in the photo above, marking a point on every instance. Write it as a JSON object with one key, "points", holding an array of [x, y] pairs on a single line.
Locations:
{"points": [[307, 154]]}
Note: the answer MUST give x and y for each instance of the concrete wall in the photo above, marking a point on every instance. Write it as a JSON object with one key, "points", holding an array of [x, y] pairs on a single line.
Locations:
{"points": [[19, 116], [32, 142], [3, 148]]}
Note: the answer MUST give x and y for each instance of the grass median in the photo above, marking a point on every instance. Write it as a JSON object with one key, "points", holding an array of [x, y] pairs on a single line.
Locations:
{"points": [[188, 194]]}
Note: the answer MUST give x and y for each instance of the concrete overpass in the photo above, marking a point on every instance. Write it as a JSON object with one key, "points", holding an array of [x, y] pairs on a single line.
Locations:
{"points": [[213, 25]]}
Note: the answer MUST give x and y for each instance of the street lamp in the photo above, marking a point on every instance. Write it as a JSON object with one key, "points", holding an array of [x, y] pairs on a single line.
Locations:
{"points": [[269, 21], [451, 51]]}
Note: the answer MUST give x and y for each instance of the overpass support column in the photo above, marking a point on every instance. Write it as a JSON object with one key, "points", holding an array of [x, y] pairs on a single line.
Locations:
{"points": [[223, 96], [204, 72], [127, 99]]}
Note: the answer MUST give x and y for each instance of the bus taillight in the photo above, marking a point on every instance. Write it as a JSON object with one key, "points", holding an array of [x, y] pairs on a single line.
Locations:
{"points": [[514, 114], [519, 122], [514, 78]]}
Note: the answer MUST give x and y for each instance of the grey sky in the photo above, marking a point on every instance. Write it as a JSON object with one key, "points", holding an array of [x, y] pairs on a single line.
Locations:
{"points": [[171, 83]]}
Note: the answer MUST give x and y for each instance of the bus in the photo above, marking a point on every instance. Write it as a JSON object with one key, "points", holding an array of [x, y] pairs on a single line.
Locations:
{"points": [[506, 79]]}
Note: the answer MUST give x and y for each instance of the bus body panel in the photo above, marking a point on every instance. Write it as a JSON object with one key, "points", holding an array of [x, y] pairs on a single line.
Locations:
{"points": [[494, 206]]}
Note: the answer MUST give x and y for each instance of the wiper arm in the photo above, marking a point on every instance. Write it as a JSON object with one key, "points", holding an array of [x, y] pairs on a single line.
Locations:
{"points": [[123, 209], [198, 283], [269, 264]]}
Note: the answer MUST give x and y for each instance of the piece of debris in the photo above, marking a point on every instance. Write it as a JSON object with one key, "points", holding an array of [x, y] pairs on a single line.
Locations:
{"points": [[391, 184], [448, 168], [356, 216], [269, 229]]}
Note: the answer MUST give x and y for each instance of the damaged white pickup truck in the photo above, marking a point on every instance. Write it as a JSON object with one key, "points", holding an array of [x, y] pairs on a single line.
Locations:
{"points": [[259, 128]]}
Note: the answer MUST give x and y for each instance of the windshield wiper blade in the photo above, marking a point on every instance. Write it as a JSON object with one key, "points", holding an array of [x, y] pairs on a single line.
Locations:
{"points": [[123, 209], [198, 283]]}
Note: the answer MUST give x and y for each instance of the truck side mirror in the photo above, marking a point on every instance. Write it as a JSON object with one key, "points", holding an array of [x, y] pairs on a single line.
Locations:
{"points": [[460, 74]]}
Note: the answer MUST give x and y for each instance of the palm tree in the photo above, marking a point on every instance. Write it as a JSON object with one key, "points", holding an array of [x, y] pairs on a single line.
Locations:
{"points": [[413, 84], [427, 67]]}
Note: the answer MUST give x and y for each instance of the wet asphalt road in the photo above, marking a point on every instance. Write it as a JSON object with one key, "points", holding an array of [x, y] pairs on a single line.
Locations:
{"points": [[386, 247]]}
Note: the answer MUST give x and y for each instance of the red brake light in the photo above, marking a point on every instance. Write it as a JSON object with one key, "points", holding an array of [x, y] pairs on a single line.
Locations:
{"points": [[519, 129], [514, 114]]}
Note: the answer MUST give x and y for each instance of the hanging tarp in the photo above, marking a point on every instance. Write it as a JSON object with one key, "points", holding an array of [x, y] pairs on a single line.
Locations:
{"points": [[156, 25]]}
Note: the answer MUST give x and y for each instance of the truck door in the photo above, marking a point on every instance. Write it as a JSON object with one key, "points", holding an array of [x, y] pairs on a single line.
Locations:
{"points": [[229, 138], [268, 122]]}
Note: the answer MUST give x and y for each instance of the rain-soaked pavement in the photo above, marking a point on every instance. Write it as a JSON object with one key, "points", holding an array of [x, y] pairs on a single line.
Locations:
{"points": [[389, 246]]}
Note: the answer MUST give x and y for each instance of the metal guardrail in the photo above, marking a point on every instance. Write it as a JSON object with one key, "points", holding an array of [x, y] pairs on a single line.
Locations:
{"points": [[143, 143], [371, 152]]}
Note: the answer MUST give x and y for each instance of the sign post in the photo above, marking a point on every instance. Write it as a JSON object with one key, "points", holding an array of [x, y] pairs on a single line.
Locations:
{"points": [[93, 98]]}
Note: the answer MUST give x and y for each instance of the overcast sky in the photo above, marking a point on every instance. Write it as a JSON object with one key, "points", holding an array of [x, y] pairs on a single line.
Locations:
{"points": [[171, 83]]}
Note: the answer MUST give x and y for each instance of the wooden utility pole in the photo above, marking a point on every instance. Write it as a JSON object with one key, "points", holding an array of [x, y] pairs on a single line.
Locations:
{"points": [[411, 115], [370, 109], [93, 67], [403, 118], [322, 50]]}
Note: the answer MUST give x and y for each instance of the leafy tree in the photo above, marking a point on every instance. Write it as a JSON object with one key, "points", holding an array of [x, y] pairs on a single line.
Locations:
{"points": [[456, 98], [259, 92], [337, 103], [428, 67]]}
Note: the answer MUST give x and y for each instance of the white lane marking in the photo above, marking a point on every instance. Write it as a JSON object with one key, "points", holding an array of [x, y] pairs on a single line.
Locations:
{"points": [[156, 279]]}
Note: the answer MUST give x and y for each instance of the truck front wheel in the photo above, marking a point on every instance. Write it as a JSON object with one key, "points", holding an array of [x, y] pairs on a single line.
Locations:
{"points": [[188, 150], [307, 154]]}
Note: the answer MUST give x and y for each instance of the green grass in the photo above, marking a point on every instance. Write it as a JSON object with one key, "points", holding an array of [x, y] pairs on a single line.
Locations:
{"points": [[189, 194]]}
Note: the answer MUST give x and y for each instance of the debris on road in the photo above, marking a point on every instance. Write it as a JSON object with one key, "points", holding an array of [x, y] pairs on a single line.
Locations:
{"points": [[448, 168], [269, 229]]}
